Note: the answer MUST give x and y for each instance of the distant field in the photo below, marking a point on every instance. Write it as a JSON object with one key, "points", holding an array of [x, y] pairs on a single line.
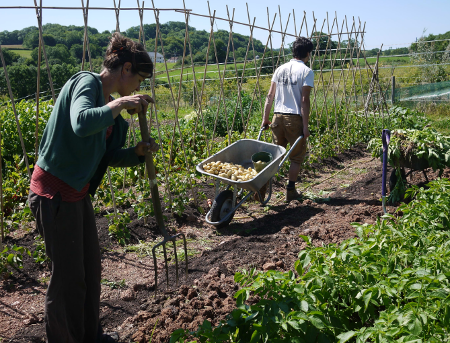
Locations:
{"points": [[22, 53], [19, 50], [401, 60], [19, 46], [211, 71]]}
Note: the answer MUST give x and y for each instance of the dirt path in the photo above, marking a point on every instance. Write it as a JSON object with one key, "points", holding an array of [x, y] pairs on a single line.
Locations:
{"points": [[341, 190]]}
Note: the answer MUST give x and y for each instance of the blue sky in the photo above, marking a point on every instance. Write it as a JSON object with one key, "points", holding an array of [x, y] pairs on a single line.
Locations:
{"points": [[394, 23]]}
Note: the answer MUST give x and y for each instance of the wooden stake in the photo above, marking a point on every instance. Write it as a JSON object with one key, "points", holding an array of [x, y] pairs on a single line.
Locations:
{"points": [[131, 117], [343, 73], [86, 37], [15, 113], [195, 91], [259, 73], [117, 10], [338, 48], [261, 107], [38, 15], [38, 87], [203, 83], [295, 25], [311, 63], [166, 164], [333, 60], [281, 29], [357, 59], [212, 20], [238, 84], [222, 93], [283, 36], [270, 39], [177, 122], [113, 197], [301, 26], [2, 233]]}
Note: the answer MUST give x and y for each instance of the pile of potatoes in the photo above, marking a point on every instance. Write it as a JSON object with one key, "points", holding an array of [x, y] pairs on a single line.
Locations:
{"points": [[234, 172]]}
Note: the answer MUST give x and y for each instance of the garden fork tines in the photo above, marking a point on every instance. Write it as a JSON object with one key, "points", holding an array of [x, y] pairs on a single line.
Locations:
{"points": [[158, 212]]}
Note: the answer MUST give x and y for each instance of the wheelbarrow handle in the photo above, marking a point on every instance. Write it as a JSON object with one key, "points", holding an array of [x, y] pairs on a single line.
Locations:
{"points": [[289, 151], [152, 176], [265, 127]]}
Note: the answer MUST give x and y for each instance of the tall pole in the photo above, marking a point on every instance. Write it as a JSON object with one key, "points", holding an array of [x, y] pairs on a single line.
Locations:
{"points": [[2, 237], [393, 90]]}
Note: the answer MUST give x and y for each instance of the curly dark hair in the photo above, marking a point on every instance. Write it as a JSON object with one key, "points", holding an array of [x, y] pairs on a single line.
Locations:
{"points": [[122, 49], [301, 47]]}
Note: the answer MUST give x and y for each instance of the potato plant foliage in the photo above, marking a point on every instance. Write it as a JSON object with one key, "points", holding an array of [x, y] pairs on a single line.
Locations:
{"points": [[413, 148], [425, 147], [389, 285]]}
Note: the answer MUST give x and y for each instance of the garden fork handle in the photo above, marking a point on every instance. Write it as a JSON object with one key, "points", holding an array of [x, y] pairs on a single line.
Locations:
{"points": [[152, 176]]}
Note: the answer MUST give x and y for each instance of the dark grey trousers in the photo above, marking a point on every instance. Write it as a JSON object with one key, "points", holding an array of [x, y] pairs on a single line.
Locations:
{"points": [[71, 241]]}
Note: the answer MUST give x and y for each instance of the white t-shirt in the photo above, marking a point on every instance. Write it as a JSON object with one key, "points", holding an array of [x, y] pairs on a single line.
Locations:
{"points": [[290, 78]]}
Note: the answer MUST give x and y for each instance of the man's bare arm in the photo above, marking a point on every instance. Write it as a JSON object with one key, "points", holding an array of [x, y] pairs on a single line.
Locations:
{"points": [[306, 105], [268, 104]]}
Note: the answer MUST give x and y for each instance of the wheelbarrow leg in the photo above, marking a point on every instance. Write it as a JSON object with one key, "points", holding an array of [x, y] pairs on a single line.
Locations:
{"points": [[234, 196], [269, 188], [216, 186]]}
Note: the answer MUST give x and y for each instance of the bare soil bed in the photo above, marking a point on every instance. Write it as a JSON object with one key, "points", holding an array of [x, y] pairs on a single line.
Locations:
{"points": [[337, 192]]}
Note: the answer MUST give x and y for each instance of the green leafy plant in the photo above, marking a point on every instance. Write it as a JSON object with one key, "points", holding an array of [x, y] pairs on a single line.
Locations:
{"points": [[39, 254], [118, 226], [13, 257], [114, 284], [417, 149]]}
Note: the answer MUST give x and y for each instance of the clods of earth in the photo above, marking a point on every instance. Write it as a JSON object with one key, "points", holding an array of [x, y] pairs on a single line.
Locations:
{"points": [[336, 192]]}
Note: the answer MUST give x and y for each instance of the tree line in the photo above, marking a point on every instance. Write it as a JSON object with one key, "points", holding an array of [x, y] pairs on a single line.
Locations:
{"points": [[64, 50]]}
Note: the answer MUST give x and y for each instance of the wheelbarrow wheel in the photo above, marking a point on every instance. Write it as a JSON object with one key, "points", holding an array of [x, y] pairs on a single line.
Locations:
{"points": [[222, 205]]}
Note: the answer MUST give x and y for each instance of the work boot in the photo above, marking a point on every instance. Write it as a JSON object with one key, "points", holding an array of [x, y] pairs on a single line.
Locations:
{"points": [[292, 194], [262, 191]]}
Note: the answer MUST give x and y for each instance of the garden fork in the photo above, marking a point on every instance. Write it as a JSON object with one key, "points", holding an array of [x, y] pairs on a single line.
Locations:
{"points": [[157, 209]]}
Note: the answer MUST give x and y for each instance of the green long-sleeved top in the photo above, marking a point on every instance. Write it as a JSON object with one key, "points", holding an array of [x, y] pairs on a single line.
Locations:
{"points": [[74, 146]]}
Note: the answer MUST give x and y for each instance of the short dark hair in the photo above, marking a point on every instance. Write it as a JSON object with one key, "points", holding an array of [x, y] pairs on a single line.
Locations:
{"points": [[301, 47], [122, 49]]}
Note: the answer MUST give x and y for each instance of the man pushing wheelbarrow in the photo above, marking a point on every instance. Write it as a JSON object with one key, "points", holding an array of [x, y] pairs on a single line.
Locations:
{"points": [[291, 88]]}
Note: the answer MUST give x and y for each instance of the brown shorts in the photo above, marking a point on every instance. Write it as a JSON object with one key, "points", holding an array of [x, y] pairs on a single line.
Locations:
{"points": [[286, 129]]}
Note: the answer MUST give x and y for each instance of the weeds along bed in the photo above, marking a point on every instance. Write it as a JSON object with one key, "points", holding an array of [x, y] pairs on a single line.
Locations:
{"points": [[183, 145], [389, 285]]}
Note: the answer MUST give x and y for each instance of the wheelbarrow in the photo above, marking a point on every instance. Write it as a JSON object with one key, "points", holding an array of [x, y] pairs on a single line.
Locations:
{"points": [[241, 152]]}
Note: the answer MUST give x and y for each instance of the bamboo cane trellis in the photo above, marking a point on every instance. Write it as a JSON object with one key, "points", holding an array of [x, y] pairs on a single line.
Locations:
{"points": [[326, 87]]}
